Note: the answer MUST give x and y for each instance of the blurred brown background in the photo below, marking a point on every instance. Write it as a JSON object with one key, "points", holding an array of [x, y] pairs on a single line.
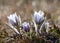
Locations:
{"points": [[10, 6], [26, 7]]}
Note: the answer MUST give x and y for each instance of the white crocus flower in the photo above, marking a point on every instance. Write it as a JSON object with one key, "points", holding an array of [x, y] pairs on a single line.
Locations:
{"points": [[14, 19], [38, 16]]}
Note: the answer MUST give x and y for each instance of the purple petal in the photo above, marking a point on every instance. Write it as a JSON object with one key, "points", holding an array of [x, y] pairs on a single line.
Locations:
{"points": [[11, 22], [39, 17], [26, 26]]}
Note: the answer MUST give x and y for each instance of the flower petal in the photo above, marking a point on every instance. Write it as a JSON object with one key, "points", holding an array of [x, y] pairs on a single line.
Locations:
{"points": [[38, 16], [26, 26]]}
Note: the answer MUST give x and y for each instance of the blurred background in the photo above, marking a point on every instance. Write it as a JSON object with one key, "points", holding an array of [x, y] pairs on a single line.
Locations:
{"points": [[25, 8]]}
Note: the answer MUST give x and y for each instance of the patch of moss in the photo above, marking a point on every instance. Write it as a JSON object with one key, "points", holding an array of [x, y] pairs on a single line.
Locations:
{"points": [[55, 18]]}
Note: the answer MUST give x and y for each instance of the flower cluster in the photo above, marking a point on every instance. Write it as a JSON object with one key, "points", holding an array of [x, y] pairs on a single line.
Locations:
{"points": [[37, 19]]}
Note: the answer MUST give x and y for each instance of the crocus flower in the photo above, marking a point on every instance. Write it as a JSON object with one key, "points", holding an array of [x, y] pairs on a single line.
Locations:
{"points": [[26, 26], [38, 16], [13, 19]]}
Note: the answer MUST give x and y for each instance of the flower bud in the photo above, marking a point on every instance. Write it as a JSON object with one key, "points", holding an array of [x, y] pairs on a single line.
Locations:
{"points": [[13, 19], [38, 16], [26, 26]]}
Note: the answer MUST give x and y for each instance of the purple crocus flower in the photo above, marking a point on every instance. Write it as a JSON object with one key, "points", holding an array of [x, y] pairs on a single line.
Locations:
{"points": [[26, 26], [13, 19], [38, 16]]}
